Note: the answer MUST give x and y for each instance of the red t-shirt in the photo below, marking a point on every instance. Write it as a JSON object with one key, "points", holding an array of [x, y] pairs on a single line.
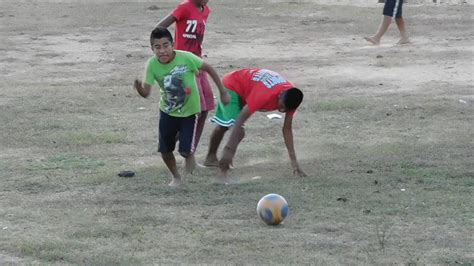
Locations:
{"points": [[190, 27], [259, 88]]}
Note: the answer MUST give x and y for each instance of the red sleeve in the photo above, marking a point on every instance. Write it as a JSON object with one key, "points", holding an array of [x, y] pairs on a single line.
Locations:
{"points": [[180, 12]]}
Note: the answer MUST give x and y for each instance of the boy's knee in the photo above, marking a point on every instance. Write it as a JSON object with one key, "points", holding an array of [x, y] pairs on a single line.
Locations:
{"points": [[166, 154], [222, 128], [185, 154]]}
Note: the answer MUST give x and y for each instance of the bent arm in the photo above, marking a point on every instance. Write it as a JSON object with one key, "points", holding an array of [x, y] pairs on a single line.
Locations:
{"points": [[166, 21], [142, 88], [224, 97], [288, 137]]}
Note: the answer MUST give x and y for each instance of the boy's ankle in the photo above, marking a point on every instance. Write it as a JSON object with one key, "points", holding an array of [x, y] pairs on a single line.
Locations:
{"points": [[176, 182]]}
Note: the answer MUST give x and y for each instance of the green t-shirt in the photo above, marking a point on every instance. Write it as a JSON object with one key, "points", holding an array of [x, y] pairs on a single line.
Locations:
{"points": [[177, 80]]}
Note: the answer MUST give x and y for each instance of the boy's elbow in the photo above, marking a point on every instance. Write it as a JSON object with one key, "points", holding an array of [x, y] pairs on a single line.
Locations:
{"points": [[161, 25], [144, 95], [144, 92]]}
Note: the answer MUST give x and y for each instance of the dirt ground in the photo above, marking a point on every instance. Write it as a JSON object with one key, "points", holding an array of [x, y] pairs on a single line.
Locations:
{"points": [[385, 134]]}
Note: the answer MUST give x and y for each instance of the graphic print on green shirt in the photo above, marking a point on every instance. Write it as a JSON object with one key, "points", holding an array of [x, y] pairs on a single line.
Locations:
{"points": [[179, 94]]}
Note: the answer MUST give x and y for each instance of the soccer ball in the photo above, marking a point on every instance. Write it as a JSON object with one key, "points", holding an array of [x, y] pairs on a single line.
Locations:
{"points": [[272, 209]]}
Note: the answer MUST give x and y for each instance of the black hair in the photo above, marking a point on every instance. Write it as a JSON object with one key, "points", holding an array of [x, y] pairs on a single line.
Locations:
{"points": [[292, 98], [160, 32]]}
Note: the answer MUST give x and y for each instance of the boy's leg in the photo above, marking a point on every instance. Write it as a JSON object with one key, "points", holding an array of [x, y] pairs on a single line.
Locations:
{"points": [[383, 27], [200, 126], [170, 162], [207, 102], [403, 33], [216, 139], [392, 8], [225, 118], [401, 25], [187, 141], [168, 128], [227, 157]]}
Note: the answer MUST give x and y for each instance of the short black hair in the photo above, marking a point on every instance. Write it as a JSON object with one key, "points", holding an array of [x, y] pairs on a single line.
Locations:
{"points": [[292, 98], [160, 32]]}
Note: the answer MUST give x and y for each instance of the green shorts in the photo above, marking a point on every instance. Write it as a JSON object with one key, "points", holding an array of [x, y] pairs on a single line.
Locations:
{"points": [[226, 115]]}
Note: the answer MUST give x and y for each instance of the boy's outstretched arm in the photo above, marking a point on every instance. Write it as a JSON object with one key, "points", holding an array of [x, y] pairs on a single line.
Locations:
{"points": [[166, 21], [288, 137], [224, 96], [142, 88]]}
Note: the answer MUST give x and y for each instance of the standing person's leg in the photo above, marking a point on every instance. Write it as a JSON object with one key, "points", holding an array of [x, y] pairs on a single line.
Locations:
{"points": [[403, 34], [168, 128], [401, 25], [383, 27], [390, 10], [187, 141], [207, 103], [170, 162]]}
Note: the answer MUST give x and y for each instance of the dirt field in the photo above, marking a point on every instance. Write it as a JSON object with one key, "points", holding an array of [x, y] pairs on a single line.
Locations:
{"points": [[385, 134]]}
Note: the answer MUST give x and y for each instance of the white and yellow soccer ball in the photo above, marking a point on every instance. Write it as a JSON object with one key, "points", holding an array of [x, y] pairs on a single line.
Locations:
{"points": [[272, 209]]}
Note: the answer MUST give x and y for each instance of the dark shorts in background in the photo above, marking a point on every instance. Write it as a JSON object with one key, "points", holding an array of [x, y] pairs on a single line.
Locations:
{"points": [[168, 128], [393, 8]]}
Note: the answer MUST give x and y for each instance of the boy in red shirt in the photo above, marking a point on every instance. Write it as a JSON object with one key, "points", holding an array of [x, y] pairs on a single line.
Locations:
{"points": [[190, 17], [252, 90]]}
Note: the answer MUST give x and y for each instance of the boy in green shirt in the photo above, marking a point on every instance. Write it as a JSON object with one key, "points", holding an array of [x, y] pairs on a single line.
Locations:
{"points": [[175, 72]]}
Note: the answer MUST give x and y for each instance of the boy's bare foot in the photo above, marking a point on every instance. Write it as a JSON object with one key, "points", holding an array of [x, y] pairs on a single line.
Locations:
{"points": [[403, 41], [372, 40], [175, 182], [211, 162], [223, 179]]}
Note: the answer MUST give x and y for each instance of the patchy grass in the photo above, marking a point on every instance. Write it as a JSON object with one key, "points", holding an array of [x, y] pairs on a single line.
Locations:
{"points": [[85, 138], [67, 162]]}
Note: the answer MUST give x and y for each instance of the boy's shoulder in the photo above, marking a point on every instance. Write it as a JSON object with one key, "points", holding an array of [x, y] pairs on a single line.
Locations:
{"points": [[189, 59], [151, 60]]}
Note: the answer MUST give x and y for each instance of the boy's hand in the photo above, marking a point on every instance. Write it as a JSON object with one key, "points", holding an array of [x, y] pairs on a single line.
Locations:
{"points": [[137, 84], [143, 90], [225, 98]]}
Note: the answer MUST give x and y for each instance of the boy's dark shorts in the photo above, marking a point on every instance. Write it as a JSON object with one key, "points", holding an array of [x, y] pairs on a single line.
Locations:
{"points": [[168, 128], [393, 8]]}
